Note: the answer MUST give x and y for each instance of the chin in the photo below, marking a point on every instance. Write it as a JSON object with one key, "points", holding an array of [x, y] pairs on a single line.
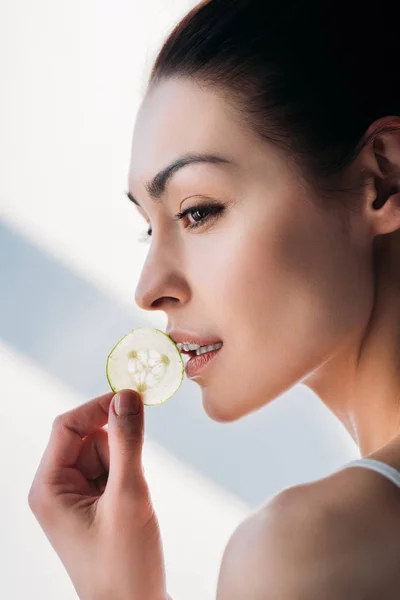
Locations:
{"points": [[220, 413]]}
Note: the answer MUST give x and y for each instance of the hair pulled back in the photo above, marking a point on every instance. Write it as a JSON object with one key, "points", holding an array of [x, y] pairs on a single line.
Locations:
{"points": [[310, 76]]}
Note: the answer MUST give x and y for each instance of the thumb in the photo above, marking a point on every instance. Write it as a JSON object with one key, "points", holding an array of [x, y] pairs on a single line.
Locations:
{"points": [[125, 441]]}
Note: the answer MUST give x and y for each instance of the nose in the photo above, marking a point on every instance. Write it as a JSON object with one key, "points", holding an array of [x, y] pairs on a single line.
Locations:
{"points": [[162, 283]]}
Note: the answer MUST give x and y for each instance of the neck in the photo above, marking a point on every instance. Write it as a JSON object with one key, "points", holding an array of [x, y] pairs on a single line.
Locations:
{"points": [[365, 399], [361, 383]]}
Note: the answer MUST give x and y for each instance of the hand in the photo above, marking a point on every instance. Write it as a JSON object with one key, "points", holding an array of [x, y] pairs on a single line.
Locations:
{"points": [[91, 498]]}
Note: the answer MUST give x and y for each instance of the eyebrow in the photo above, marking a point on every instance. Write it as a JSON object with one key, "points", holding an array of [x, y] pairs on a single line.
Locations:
{"points": [[157, 186]]}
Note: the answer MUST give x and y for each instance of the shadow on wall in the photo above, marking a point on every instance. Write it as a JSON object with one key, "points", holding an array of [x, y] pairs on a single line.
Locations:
{"points": [[67, 326]]}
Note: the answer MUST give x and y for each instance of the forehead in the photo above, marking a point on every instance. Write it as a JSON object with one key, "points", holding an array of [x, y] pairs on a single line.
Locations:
{"points": [[179, 116]]}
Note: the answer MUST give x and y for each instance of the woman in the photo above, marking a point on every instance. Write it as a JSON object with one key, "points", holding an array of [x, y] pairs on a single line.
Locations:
{"points": [[280, 238]]}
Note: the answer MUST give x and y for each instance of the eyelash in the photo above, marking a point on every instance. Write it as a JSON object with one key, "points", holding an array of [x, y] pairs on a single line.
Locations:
{"points": [[212, 210]]}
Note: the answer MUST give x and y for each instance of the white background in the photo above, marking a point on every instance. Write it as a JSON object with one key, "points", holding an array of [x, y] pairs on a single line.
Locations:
{"points": [[72, 75]]}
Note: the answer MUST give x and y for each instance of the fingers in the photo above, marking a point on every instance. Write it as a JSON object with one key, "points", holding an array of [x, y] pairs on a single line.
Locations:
{"points": [[126, 436], [94, 459], [69, 430]]}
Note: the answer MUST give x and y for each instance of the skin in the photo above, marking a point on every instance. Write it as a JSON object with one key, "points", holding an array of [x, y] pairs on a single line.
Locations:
{"points": [[307, 302], [306, 287], [312, 289]]}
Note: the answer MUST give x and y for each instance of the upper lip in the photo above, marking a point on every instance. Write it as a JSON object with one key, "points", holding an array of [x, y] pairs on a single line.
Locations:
{"points": [[191, 338]]}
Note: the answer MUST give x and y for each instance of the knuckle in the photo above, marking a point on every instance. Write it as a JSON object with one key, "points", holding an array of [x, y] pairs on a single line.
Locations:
{"points": [[141, 510], [31, 500], [136, 503], [34, 498], [42, 509], [39, 502], [58, 421], [131, 432]]}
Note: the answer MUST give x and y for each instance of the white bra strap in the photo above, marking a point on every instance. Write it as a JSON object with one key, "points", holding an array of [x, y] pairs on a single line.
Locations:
{"points": [[378, 466]]}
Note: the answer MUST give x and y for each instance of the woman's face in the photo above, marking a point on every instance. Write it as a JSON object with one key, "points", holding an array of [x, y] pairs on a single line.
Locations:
{"points": [[278, 280]]}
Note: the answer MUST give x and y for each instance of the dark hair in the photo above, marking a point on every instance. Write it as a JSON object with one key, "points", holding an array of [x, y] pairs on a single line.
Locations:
{"points": [[308, 75]]}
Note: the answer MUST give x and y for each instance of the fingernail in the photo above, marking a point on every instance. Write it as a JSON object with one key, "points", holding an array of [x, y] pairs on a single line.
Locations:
{"points": [[127, 404]]}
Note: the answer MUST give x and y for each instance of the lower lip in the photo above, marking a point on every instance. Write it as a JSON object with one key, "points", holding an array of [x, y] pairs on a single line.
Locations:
{"points": [[195, 365]]}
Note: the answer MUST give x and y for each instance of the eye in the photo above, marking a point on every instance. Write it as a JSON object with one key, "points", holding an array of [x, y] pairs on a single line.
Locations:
{"points": [[196, 212]]}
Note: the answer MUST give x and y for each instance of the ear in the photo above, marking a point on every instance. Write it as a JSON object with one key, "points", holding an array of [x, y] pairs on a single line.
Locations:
{"points": [[383, 209]]}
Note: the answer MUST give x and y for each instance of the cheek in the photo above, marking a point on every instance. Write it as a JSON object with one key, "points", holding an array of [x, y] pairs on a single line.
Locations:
{"points": [[284, 300]]}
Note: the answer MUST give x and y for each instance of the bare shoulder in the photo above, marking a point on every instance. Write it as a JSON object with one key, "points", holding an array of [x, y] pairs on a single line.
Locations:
{"points": [[338, 537]]}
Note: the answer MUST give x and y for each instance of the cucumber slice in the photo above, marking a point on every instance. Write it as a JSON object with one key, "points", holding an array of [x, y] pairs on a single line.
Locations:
{"points": [[147, 361]]}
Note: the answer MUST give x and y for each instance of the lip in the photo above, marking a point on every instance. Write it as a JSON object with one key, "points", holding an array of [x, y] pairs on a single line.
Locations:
{"points": [[181, 336], [197, 364]]}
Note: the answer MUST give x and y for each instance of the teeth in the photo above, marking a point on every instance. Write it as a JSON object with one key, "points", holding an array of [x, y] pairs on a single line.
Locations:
{"points": [[205, 349], [199, 349], [191, 347], [187, 347]]}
